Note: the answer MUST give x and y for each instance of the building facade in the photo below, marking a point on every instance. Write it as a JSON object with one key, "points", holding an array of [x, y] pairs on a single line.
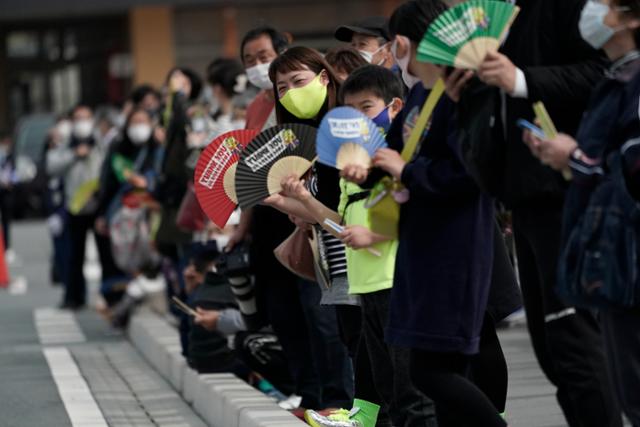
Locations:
{"points": [[56, 53]]}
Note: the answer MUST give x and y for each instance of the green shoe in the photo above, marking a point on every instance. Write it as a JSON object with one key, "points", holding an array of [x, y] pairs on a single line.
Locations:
{"points": [[363, 414]]}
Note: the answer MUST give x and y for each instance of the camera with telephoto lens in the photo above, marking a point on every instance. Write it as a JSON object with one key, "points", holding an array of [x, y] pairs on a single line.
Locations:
{"points": [[235, 263]]}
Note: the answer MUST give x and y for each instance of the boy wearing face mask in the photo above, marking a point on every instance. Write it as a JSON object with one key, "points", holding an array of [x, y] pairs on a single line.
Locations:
{"points": [[370, 37], [377, 92], [79, 164]]}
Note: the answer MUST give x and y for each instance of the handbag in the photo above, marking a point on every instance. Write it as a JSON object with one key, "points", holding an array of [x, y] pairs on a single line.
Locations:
{"points": [[296, 255], [384, 211], [190, 215]]}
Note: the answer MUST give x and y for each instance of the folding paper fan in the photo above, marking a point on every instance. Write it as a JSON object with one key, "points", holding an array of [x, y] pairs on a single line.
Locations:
{"points": [[120, 165], [463, 35], [275, 154], [346, 136], [214, 176]]}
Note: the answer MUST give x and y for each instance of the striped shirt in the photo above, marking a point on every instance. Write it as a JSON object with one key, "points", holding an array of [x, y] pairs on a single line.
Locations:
{"points": [[332, 250]]}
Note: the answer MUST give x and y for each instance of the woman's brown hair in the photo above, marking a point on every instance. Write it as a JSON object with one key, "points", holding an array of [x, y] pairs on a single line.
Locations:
{"points": [[303, 58]]}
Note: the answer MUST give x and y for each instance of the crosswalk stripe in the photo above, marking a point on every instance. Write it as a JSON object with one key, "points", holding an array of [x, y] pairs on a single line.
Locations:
{"points": [[57, 327], [74, 391]]}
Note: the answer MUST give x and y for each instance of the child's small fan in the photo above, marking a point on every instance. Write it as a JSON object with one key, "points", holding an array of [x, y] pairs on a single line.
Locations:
{"points": [[272, 156], [348, 137], [463, 35], [214, 177]]}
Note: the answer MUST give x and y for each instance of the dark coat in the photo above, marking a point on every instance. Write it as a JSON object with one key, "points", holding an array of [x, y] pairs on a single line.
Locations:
{"points": [[560, 70], [445, 252]]}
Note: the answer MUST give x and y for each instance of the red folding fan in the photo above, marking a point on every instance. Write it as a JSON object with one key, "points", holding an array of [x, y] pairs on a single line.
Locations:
{"points": [[214, 178]]}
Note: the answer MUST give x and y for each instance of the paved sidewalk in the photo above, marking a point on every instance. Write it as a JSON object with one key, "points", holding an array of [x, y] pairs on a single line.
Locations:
{"points": [[531, 398]]}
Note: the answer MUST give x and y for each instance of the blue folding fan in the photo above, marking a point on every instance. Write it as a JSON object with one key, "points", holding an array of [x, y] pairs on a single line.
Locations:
{"points": [[348, 137]]}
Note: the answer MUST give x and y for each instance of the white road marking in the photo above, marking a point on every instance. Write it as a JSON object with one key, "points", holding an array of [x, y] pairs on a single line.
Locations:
{"points": [[76, 396], [57, 327]]}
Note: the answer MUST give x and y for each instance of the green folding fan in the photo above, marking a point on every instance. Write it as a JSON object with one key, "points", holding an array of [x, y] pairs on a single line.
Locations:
{"points": [[463, 35]]}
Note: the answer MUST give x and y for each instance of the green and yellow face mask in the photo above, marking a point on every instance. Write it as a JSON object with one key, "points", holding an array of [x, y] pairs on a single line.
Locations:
{"points": [[307, 101]]}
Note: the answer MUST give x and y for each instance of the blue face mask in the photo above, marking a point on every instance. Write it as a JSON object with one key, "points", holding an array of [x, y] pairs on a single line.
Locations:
{"points": [[383, 120]]}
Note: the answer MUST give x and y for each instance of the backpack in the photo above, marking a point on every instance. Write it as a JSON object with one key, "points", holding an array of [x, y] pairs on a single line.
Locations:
{"points": [[599, 264], [131, 243]]}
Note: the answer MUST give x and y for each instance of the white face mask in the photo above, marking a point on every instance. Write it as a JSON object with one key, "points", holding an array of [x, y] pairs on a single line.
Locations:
{"points": [[139, 134], [198, 124], [64, 130], [221, 241], [592, 27], [258, 75], [82, 128], [403, 63], [368, 56]]}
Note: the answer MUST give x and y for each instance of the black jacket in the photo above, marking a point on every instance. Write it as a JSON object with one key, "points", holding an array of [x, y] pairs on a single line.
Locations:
{"points": [[561, 70]]}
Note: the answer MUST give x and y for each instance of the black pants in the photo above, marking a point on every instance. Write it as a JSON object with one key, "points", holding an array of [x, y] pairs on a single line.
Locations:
{"points": [[76, 286], [330, 355], [284, 313], [459, 402], [407, 406], [489, 367], [567, 341], [351, 334], [621, 333], [6, 205]]}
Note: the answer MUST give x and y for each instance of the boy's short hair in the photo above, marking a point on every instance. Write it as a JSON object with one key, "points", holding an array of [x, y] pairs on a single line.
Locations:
{"points": [[378, 80]]}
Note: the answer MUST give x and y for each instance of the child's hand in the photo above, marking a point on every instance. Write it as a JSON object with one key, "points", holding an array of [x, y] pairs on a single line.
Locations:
{"points": [[390, 161], [294, 187], [354, 173], [357, 237], [208, 319]]}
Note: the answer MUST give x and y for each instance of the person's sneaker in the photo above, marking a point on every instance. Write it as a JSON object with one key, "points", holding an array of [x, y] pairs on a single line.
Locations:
{"points": [[363, 414]]}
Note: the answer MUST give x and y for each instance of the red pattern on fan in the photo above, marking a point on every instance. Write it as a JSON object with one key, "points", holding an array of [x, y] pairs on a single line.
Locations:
{"points": [[214, 177]]}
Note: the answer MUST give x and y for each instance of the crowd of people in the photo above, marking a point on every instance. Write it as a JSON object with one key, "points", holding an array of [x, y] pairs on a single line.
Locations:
{"points": [[407, 338]]}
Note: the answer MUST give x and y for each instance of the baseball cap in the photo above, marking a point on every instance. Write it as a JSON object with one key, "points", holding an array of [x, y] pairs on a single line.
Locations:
{"points": [[375, 26]]}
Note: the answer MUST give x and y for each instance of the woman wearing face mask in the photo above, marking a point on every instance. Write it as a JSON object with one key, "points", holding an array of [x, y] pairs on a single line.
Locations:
{"points": [[79, 164], [306, 87], [137, 137], [606, 146], [140, 150]]}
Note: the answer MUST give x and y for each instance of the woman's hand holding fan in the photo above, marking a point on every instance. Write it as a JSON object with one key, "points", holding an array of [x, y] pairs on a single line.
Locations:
{"points": [[294, 187]]}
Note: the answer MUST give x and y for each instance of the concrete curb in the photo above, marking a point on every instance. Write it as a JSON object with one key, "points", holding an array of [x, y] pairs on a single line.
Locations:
{"points": [[222, 400]]}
